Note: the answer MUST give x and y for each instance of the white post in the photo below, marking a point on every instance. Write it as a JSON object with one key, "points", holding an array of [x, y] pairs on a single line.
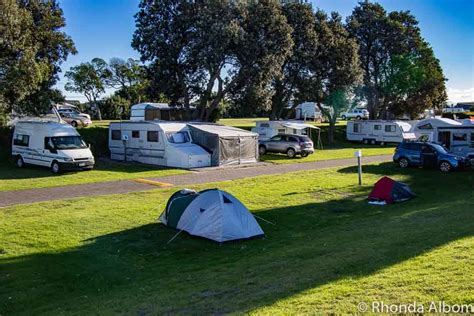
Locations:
{"points": [[358, 154]]}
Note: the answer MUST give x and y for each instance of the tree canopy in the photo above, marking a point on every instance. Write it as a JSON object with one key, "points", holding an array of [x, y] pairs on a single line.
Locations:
{"points": [[401, 73], [32, 47]]}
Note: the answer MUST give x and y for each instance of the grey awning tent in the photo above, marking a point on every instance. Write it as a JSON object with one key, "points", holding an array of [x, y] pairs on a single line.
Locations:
{"points": [[227, 145]]}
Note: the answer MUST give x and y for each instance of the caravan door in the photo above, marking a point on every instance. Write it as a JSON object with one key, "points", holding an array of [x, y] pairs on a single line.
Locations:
{"points": [[445, 139]]}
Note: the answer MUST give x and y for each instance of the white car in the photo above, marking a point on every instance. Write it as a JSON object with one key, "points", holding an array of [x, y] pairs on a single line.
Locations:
{"points": [[355, 113], [73, 112]]}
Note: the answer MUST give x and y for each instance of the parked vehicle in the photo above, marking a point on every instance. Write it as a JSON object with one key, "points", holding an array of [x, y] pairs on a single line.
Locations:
{"points": [[156, 142], [456, 136], [288, 144], [379, 132], [50, 144], [308, 111], [428, 155], [268, 129], [73, 111], [358, 114], [75, 119]]}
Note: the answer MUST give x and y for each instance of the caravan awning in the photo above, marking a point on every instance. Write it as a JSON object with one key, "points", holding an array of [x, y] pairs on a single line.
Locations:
{"points": [[298, 125]]}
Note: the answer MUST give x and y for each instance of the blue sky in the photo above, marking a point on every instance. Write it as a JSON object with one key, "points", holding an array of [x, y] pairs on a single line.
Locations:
{"points": [[104, 28]]}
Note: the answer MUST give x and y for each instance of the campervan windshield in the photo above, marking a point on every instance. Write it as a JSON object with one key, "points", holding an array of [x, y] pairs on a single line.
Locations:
{"points": [[405, 128], [67, 142], [178, 137]]}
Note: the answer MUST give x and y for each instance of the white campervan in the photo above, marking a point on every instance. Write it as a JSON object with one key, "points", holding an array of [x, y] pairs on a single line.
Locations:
{"points": [[50, 144], [160, 143], [382, 132]]}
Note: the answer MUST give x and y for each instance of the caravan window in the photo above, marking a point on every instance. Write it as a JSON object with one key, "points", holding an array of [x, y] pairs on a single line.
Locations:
{"points": [[21, 140], [425, 126], [377, 127], [460, 137], [264, 125], [135, 134], [152, 136], [390, 128], [178, 137], [281, 131], [356, 128], [116, 134]]}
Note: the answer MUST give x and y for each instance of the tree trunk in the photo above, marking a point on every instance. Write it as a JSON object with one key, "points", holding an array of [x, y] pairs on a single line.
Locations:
{"points": [[97, 108], [331, 130]]}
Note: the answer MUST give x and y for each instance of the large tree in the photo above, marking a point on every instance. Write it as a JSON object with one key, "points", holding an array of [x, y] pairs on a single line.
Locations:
{"points": [[89, 79], [301, 19], [32, 48], [333, 70], [128, 77], [396, 60], [205, 50]]}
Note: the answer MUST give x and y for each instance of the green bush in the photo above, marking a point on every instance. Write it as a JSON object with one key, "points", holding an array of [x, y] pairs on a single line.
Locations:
{"points": [[97, 137]]}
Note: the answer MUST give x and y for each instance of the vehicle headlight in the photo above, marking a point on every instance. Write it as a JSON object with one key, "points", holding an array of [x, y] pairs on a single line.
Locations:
{"points": [[458, 158], [68, 159]]}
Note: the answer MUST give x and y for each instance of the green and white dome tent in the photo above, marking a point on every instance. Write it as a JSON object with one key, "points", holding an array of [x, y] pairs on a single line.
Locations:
{"points": [[212, 214]]}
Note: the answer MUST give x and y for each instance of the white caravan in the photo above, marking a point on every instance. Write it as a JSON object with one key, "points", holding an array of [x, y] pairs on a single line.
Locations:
{"points": [[456, 136], [157, 143], [268, 129], [382, 132], [50, 144], [308, 111]]}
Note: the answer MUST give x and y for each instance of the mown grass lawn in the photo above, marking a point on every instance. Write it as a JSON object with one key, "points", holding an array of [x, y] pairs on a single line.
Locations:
{"points": [[32, 177], [339, 151], [328, 250]]}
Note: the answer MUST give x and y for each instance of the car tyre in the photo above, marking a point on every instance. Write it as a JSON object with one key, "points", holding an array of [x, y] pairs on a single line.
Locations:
{"points": [[74, 123], [262, 150], [358, 117], [382, 143], [343, 117], [403, 163], [304, 155], [291, 153], [19, 162], [365, 141], [55, 167], [445, 166], [373, 142]]}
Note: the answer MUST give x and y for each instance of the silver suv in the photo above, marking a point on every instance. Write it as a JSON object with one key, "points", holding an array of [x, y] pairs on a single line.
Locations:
{"points": [[288, 144]]}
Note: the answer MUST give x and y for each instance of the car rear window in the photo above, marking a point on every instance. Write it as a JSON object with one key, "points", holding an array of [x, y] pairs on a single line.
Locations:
{"points": [[305, 139]]}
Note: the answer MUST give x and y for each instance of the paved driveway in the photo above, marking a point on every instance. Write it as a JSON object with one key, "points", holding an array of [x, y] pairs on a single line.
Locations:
{"points": [[8, 198]]}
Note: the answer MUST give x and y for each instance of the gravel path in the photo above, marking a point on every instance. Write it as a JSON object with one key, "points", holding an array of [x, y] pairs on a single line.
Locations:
{"points": [[208, 175]]}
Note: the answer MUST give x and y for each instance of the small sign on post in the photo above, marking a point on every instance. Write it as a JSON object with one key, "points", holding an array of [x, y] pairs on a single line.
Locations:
{"points": [[358, 155]]}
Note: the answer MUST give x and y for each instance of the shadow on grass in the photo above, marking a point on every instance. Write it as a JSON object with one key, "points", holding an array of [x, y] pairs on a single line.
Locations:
{"points": [[8, 170], [135, 271]]}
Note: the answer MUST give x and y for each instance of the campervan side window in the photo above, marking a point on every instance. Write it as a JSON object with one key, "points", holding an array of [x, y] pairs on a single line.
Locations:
{"points": [[21, 140], [152, 136], [390, 128], [425, 126], [377, 127], [356, 128], [460, 137], [116, 134], [135, 134]]}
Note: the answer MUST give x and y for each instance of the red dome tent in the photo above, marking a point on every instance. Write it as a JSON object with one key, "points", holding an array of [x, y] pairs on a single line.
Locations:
{"points": [[390, 191]]}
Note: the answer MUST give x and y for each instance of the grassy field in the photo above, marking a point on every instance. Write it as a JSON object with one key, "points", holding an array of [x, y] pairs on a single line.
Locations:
{"points": [[340, 151], [12, 178], [327, 251]]}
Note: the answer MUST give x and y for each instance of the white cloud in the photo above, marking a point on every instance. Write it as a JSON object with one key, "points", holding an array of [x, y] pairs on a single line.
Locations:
{"points": [[460, 95]]}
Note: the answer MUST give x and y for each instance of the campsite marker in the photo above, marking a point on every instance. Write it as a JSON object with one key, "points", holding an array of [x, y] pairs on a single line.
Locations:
{"points": [[358, 154]]}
